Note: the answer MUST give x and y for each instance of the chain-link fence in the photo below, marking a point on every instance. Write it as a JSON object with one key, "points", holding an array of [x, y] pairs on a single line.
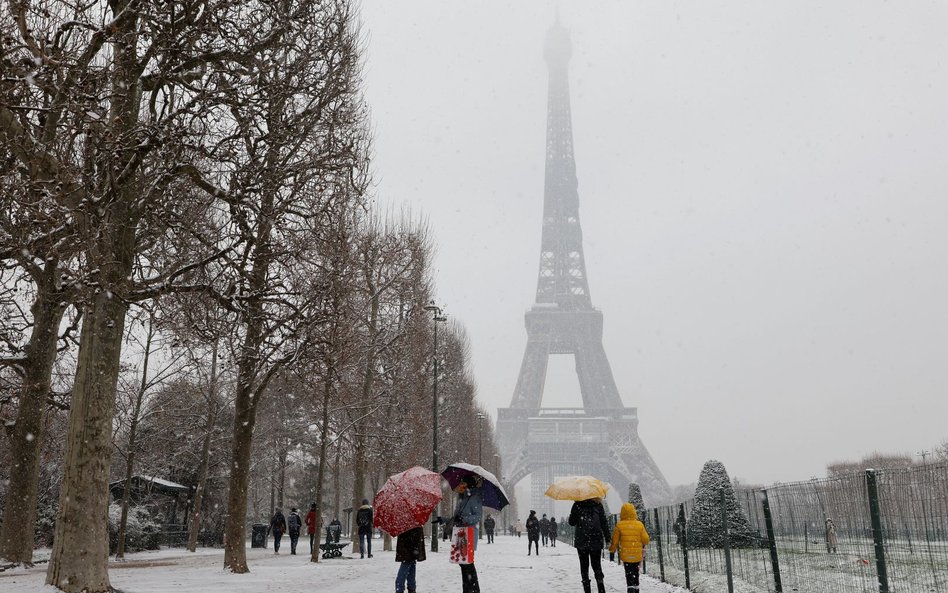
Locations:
{"points": [[884, 531]]}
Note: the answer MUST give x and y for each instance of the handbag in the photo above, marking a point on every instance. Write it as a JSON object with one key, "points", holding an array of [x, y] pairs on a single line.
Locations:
{"points": [[462, 546]]}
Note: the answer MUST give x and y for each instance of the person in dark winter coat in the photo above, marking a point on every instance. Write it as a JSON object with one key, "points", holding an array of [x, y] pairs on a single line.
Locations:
{"points": [[295, 524], [312, 525], [544, 529], [409, 550], [553, 531], [489, 525], [591, 536], [467, 513], [533, 532], [278, 528], [334, 531], [364, 521]]}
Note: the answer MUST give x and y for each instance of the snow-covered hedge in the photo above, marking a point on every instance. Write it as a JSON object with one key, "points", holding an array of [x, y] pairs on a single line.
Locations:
{"points": [[142, 532]]}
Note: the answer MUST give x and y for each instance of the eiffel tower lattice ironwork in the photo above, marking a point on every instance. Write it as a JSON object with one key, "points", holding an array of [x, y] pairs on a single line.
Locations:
{"points": [[601, 438]]}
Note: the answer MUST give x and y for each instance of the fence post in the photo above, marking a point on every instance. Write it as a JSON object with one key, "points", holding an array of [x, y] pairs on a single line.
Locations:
{"points": [[727, 543], [658, 539], [772, 543], [877, 537], [684, 542]]}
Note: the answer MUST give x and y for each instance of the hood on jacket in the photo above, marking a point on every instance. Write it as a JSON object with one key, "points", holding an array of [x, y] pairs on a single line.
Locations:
{"points": [[628, 512], [365, 506]]}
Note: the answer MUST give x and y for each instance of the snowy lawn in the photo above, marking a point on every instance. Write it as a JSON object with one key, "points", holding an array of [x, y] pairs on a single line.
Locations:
{"points": [[503, 567]]}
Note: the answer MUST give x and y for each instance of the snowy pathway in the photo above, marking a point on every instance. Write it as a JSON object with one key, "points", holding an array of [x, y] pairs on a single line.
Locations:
{"points": [[503, 567]]}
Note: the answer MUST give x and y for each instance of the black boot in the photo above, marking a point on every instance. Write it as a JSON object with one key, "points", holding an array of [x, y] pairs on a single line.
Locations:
{"points": [[586, 587], [601, 585]]}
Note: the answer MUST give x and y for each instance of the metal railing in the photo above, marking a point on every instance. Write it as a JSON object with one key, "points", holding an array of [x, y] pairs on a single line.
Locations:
{"points": [[884, 531]]}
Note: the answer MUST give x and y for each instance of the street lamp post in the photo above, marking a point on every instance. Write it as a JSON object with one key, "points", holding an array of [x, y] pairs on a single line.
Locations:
{"points": [[436, 318], [480, 460]]}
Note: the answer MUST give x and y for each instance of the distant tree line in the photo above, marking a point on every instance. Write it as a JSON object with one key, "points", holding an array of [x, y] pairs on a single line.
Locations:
{"points": [[194, 283]]}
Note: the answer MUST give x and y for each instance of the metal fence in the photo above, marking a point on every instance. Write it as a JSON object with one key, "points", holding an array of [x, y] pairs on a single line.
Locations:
{"points": [[884, 531]]}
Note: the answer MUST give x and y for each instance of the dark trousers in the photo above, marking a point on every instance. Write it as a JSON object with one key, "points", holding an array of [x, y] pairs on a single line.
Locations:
{"points": [[544, 540], [531, 543], [312, 542], [294, 537], [632, 576], [276, 541], [406, 572], [469, 582], [365, 543], [553, 541], [490, 536], [587, 557]]}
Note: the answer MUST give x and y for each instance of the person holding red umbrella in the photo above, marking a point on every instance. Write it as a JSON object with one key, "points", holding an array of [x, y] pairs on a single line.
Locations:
{"points": [[409, 550]]}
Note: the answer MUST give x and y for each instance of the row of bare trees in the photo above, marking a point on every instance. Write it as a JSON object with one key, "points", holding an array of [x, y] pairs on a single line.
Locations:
{"points": [[187, 247]]}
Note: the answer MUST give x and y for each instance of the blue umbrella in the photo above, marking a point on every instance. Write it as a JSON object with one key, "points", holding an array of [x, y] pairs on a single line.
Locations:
{"points": [[492, 493]]}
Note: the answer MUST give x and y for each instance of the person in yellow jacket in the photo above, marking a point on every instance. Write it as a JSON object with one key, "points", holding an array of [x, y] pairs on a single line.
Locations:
{"points": [[630, 538]]}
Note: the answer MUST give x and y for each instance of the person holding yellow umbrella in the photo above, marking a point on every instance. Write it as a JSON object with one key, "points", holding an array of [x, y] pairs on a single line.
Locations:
{"points": [[589, 518]]}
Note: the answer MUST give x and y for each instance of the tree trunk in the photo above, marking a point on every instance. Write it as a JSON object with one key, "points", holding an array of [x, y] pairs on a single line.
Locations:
{"points": [[132, 437], [80, 555], [368, 378], [194, 527], [26, 436], [235, 548], [323, 447], [387, 541]]}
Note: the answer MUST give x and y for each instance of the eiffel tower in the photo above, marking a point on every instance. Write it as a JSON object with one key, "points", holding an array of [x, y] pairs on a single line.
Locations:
{"points": [[601, 438]]}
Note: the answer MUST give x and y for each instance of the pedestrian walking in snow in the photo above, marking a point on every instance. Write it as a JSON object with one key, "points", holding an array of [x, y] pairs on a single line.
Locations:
{"points": [[364, 522], [554, 532], [489, 525], [294, 523], [832, 539], [409, 550], [467, 513], [533, 532], [630, 538], [278, 528], [312, 525], [544, 529], [591, 535], [519, 528]]}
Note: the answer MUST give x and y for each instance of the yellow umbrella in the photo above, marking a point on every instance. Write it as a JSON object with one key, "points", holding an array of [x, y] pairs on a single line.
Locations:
{"points": [[577, 488]]}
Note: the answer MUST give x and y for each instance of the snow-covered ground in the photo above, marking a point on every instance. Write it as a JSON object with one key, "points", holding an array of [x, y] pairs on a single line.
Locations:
{"points": [[503, 567]]}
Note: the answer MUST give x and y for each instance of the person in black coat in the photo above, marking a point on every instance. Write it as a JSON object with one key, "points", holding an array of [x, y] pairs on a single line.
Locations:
{"points": [[295, 523], [533, 532], [544, 529], [409, 550], [591, 536], [278, 528], [364, 520], [553, 531], [489, 525]]}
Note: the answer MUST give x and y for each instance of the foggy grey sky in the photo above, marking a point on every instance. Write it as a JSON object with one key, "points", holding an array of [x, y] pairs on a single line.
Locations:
{"points": [[762, 193]]}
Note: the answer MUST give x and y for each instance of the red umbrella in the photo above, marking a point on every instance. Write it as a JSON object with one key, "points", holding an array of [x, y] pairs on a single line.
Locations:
{"points": [[406, 500]]}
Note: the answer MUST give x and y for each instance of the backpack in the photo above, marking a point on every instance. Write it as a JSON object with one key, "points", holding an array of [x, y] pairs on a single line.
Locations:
{"points": [[363, 518]]}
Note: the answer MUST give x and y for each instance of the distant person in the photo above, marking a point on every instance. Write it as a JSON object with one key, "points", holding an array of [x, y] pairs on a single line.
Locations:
{"points": [[277, 528], [832, 540], [533, 532], [312, 525], [554, 532], [519, 528], [544, 529], [335, 530], [364, 522], [409, 550], [591, 535], [295, 524], [489, 525], [630, 538]]}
